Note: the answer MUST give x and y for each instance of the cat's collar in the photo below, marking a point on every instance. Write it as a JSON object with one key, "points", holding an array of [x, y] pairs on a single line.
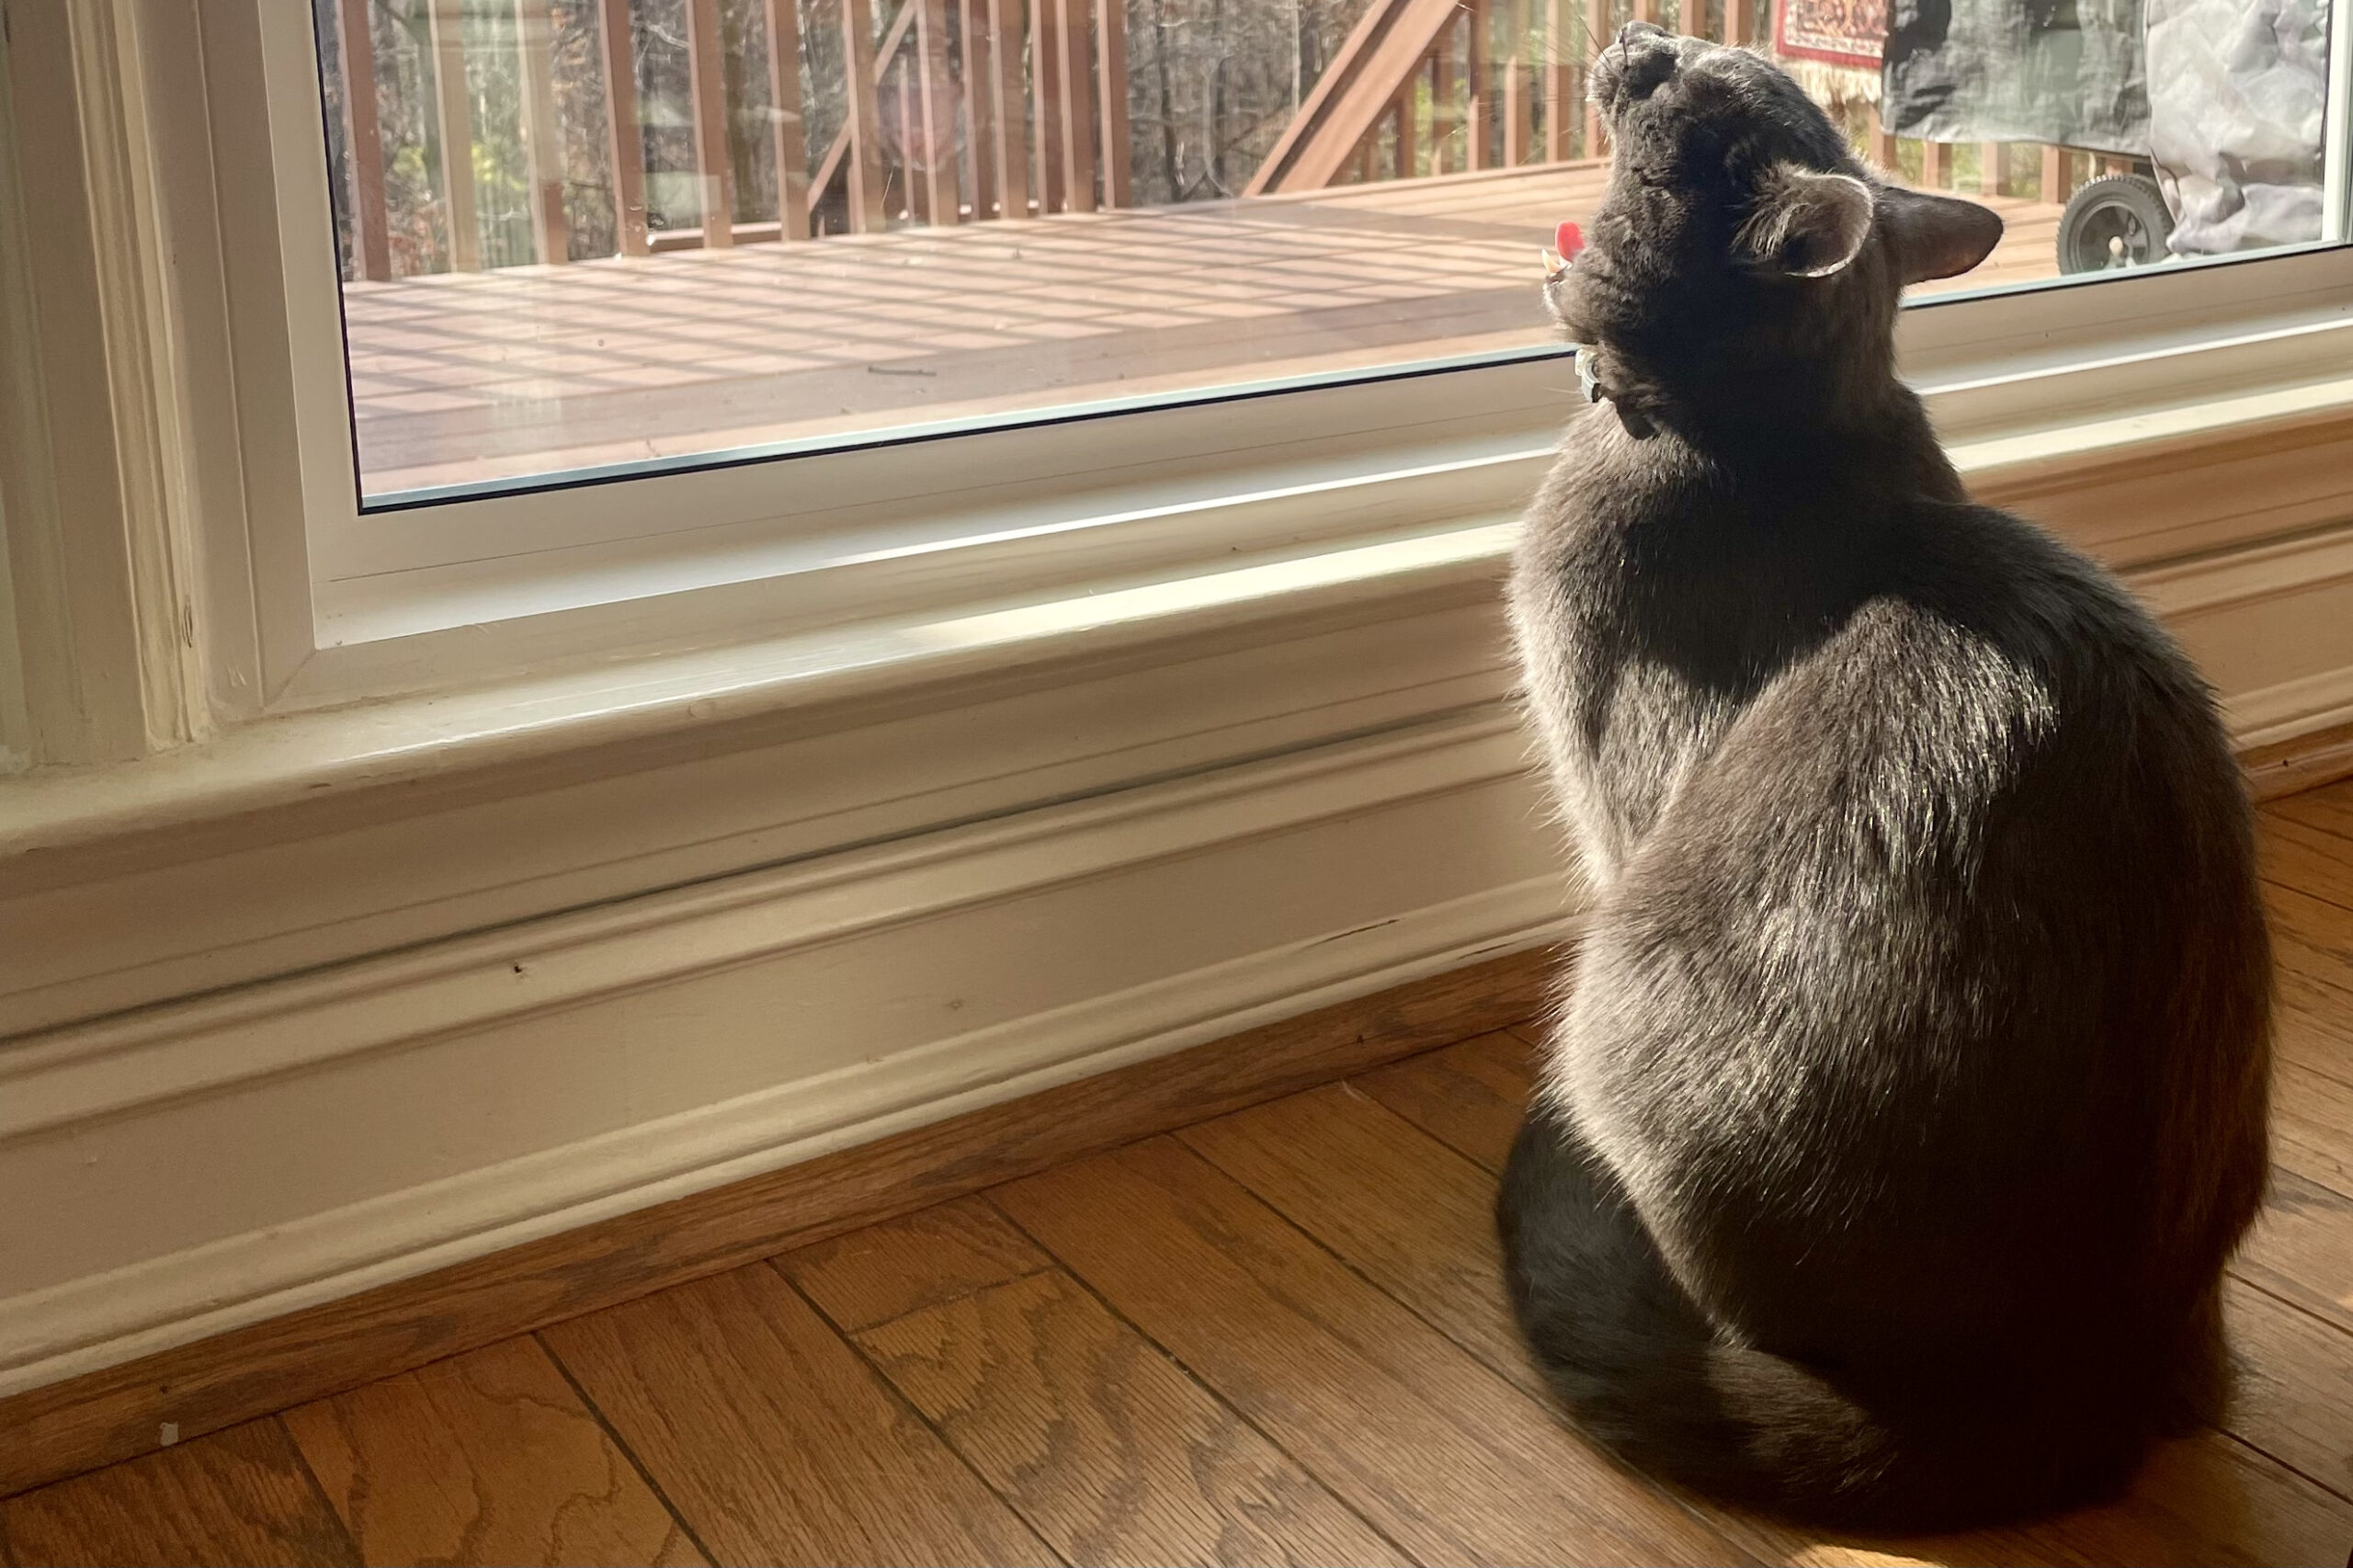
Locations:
{"points": [[1588, 383]]}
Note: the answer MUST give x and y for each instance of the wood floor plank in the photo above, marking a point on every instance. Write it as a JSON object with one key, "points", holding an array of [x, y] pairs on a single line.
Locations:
{"points": [[2328, 808], [1104, 1446], [2315, 1040], [1334, 1161], [1444, 1456], [2312, 946], [487, 1458], [2211, 1499], [1468, 1096], [936, 1255], [238, 1496], [2296, 854], [773, 1438], [2311, 1125], [2317, 927], [2301, 1247], [2294, 1394]]}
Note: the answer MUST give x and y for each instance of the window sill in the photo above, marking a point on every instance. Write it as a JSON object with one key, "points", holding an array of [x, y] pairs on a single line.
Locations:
{"points": [[273, 763]]}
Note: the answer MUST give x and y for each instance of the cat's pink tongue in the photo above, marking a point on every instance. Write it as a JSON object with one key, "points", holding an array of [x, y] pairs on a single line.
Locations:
{"points": [[1568, 239]]}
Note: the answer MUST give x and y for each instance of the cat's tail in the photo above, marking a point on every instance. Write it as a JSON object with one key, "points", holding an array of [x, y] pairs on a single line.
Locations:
{"points": [[1642, 1372]]}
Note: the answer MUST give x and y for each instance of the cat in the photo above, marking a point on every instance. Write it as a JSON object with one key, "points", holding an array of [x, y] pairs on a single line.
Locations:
{"points": [[1909, 1091]]}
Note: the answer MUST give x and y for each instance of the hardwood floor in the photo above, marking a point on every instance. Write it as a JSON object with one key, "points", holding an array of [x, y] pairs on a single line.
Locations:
{"points": [[1276, 1334]]}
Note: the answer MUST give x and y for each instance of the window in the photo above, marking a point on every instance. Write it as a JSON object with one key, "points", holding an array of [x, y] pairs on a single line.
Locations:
{"points": [[557, 465], [959, 211]]}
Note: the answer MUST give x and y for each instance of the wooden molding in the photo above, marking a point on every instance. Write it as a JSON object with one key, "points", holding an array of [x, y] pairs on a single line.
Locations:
{"points": [[2306, 762], [114, 1413]]}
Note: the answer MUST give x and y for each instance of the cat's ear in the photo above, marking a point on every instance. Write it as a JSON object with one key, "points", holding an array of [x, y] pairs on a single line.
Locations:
{"points": [[1935, 236], [1806, 224]]}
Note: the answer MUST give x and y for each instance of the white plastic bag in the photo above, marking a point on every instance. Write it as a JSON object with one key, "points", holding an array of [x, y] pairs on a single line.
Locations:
{"points": [[2238, 97]]}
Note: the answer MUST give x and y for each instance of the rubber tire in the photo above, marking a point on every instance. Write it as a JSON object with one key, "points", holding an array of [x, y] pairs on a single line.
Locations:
{"points": [[2127, 207]]}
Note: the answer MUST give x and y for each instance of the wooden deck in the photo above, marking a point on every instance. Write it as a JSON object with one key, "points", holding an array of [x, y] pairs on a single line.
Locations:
{"points": [[466, 377], [1276, 1334]]}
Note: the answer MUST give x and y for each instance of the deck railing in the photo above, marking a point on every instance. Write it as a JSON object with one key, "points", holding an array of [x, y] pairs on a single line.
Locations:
{"points": [[951, 111], [940, 112]]}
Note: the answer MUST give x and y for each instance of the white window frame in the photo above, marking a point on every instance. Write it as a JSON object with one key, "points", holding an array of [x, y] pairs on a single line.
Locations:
{"points": [[812, 557]]}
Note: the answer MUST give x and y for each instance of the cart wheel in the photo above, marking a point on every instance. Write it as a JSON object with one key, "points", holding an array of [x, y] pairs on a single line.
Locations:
{"points": [[2115, 221]]}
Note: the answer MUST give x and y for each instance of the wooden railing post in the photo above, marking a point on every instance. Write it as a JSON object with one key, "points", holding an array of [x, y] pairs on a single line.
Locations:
{"points": [[1111, 100], [1009, 146], [942, 162], [1478, 77], [1882, 143], [915, 195], [1074, 68], [543, 131], [1989, 168], [2058, 174], [1517, 131], [707, 89], [1740, 20], [1516, 116], [363, 139], [1443, 153], [624, 138], [1563, 50], [444, 27], [1046, 83], [1403, 157], [980, 95], [865, 124], [791, 139], [1596, 26], [1936, 165]]}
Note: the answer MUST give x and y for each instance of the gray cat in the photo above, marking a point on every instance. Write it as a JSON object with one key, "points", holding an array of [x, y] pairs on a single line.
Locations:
{"points": [[1910, 1091]]}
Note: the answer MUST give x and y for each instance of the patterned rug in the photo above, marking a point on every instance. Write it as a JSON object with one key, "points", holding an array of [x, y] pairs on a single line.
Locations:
{"points": [[1832, 47]]}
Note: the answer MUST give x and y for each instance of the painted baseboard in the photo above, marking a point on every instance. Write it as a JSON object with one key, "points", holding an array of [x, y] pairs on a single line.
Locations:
{"points": [[139, 1309], [389, 1048], [2272, 627]]}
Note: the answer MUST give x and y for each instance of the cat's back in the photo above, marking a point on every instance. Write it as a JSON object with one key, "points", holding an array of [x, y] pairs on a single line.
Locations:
{"points": [[1983, 852], [1990, 701], [1990, 822]]}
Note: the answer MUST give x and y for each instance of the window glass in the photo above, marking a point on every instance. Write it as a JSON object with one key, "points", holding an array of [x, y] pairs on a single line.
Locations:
{"points": [[584, 234]]}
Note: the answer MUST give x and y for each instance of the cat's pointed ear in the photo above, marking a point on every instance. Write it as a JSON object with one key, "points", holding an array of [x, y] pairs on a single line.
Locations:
{"points": [[1935, 236], [1806, 224]]}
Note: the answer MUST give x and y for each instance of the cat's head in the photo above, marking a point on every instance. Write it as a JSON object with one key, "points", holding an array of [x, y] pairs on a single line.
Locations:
{"points": [[1740, 241]]}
